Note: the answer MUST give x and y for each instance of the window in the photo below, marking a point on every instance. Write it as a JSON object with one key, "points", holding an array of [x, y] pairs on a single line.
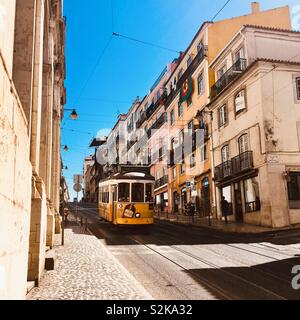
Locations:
{"points": [[239, 102], [123, 195], [203, 153], [189, 61], [189, 101], [243, 143], [174, 173], [200, 84], [138, 192], [158, 95], [192, 161], [180, 73], [200, 46], [225, 153], [180, 109], [221, 71], [293, 183], [298, 87], [191, 126], [252, 196], [172, 117], [223, 116], [149, 192], [182, 168], [239, 54]]}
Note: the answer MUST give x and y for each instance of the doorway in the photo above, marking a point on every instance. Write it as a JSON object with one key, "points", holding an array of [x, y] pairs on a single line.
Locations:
{"points": [[238, 203]]}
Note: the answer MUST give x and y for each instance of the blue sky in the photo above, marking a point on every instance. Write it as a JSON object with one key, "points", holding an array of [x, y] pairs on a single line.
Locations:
{"points": [[127, 69]]}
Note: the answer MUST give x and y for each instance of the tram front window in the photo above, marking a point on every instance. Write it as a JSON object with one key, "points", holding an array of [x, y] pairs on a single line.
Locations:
{"points": [[149, 192], [138, 192], [123, 195]]}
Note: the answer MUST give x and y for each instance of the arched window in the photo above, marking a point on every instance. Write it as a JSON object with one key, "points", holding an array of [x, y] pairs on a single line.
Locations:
{"points": [[225, 153], [240, 102], [243, 143]]}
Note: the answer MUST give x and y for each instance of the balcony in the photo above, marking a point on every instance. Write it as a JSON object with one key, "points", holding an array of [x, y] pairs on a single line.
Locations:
{"points": [[242, 163], [158, 124], [131, 143], [192, 67], [161, 182], [234, 167], [231, 74], [142, 119], [155, 106]]}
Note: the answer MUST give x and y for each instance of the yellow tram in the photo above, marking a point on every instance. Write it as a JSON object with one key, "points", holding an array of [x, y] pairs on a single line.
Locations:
{"points": [[126, 198]]}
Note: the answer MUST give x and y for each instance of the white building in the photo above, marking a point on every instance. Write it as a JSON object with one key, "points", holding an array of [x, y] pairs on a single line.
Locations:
{"points": [[256, 126]]}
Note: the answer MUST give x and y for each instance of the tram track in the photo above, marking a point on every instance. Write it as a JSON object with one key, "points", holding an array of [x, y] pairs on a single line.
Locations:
{"points": [[169, 241]]}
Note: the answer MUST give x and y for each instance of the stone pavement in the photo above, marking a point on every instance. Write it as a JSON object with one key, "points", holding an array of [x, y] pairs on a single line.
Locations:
{"points": [[86, 270], [231, 227]]}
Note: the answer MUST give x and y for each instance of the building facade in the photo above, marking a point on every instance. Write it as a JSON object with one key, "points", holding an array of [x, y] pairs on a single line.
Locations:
{"points": [[256, 145], [172, 130], [32, 96]]}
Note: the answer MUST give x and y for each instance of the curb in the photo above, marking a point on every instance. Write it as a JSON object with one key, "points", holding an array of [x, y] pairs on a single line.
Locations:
{"points": [[256, 233]]}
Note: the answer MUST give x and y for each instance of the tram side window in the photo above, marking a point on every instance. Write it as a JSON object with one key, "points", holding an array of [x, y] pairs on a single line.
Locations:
{"points": [[123, 195], [138, 192], [149, 192]]}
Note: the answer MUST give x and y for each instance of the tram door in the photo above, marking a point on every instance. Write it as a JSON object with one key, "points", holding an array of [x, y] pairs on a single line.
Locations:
{"points": [[114, 202]]}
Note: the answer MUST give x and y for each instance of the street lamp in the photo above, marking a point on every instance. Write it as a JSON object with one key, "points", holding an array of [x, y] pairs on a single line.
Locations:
{"points": [[66, 148], [73, 115]]}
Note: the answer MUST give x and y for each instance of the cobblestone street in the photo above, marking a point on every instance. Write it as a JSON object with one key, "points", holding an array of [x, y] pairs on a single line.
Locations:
{"points": [[86, 270]]}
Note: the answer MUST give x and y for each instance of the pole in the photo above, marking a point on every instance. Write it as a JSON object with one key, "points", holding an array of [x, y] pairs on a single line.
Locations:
{"points": [[77, 208]]}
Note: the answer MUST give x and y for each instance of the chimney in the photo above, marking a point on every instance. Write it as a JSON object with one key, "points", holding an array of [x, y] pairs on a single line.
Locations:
{"points": [[255, 7]]}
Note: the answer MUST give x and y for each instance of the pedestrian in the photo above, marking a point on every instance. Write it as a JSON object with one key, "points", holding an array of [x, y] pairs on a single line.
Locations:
{"points": [[225, 209]]}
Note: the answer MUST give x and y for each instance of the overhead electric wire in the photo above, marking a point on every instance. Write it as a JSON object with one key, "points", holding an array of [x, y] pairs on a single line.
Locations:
{"points": [[94, 68], [224, 6], [145, 42]]}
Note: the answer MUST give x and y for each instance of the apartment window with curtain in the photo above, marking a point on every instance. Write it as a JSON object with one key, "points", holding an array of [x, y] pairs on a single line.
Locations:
{"points": [[240, 102], [200, 46], [172, 117], [192, 161], [243, 143], [200, 83], [223, 118], [180, 73], [298, 87], [203, 153], [180, 109], [221, 71], [189, 61], [225, 153]]}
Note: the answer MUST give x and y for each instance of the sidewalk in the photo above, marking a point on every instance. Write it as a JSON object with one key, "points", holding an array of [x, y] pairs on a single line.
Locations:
{"points": [[86, 270], [231, 227]]}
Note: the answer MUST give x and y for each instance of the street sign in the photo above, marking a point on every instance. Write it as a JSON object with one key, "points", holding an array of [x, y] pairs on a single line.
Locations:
{"points": [[77, 187], [78, 179]]}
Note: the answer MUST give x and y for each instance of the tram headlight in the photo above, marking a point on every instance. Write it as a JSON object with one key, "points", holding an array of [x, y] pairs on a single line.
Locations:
{"points": [[138, 215]]}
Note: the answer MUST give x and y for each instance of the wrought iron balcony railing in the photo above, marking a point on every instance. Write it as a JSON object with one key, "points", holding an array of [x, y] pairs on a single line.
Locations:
{"points": [[161, 182], [142, 119], [237, 68], [234, 167], [158, 124]]}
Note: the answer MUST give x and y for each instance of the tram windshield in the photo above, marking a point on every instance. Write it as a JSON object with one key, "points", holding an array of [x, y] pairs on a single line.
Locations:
{"points": [[140, 192], [123, 194]]}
